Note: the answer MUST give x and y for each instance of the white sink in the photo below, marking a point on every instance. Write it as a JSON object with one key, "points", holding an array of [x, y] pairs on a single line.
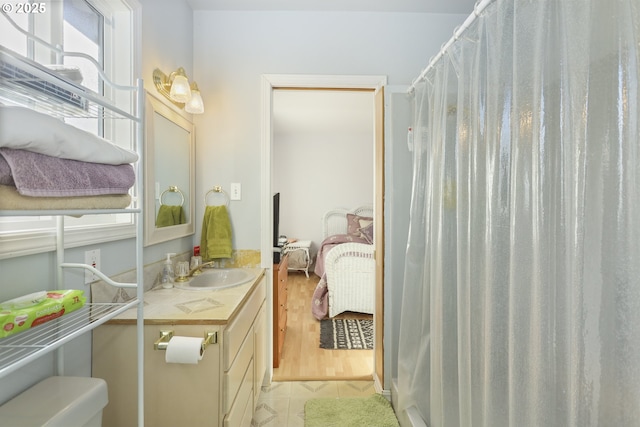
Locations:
{"points": [[217, 278]]}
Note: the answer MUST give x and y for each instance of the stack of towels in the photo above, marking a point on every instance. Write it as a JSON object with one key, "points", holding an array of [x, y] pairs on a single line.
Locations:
{"points": [[46, 160]]}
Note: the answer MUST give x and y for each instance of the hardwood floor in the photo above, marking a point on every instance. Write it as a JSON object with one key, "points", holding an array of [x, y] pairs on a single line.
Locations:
{"points": [[302, 357]]}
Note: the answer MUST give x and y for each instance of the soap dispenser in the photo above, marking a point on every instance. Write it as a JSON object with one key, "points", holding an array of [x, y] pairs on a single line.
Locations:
{"points": [[166, 278]]}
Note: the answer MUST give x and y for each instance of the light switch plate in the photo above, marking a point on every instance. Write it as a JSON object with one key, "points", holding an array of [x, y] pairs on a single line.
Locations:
{"points": [[236, 191]]}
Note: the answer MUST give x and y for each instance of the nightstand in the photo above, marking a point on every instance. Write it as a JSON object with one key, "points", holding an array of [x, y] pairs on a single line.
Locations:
{"points": [[299, 255]]}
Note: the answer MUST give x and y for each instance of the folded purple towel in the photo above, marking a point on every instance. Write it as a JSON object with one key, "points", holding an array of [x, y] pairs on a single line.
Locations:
{"points": [[39, 175], [5, 173]]}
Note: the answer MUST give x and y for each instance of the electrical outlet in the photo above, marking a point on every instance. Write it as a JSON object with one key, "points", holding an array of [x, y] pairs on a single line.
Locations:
{"points": [[91, 258], [236, 191]]}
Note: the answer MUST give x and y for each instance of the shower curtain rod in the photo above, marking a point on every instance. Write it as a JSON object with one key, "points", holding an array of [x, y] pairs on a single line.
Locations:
{"points": [[477, 10]]}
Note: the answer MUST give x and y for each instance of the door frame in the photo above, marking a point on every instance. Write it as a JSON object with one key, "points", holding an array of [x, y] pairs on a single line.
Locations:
{"points": [[270, 82]]}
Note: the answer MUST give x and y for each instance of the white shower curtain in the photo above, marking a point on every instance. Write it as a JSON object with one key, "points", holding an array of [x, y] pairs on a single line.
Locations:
{"points": [[521, 303]]}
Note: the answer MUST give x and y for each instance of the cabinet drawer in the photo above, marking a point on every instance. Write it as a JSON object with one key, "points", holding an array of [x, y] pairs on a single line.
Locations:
{"points": [[282, 316], [282, 286], [282, 298], [232, 380], [282, 328], [248, 414], [281, 334], [237, 414], [237, 330], [284, 265], [283, 322]]}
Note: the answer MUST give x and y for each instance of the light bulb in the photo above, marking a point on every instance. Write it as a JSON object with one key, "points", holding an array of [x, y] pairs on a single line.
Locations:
{"points": [[195, 104], [180, 91]]}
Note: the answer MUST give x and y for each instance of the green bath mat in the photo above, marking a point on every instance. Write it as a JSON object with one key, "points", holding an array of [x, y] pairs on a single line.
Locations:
{"points": [[372, 411]]}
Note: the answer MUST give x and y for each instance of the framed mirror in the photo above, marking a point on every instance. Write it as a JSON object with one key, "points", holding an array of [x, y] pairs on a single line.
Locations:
{"points": [[169, 170]]}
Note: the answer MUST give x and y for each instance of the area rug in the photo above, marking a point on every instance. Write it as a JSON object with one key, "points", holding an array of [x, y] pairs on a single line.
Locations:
{"points": [[372, 411], [346, 334]]}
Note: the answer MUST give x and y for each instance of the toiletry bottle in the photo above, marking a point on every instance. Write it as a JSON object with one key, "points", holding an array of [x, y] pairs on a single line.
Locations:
{"points": [[167, 276]]}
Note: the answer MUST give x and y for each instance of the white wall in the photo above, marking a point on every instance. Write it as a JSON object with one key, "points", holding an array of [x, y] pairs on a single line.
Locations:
{"points": [[232, 49], [166, 39]]}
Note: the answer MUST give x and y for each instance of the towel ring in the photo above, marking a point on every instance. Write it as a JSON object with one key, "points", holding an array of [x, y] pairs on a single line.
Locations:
{"points": [[217, 189], [173, 189]]}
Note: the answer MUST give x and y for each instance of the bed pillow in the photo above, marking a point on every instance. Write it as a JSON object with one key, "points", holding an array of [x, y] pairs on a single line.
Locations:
{"points": [[355, 223], [25, 129], [367, 233]]}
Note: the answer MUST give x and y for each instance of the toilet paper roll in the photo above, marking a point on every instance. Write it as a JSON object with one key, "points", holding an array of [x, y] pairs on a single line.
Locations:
{"points": [[184, 350]]}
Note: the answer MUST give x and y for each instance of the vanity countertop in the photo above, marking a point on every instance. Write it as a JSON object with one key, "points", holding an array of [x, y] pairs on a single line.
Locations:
{"points": [[177, 306]]}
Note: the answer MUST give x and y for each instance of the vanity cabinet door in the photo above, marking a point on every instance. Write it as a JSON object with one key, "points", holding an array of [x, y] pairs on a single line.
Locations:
{"points": [[174, 394]]}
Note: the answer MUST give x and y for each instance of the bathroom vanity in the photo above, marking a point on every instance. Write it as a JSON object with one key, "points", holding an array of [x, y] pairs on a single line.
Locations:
{"points": [[220, 390]]}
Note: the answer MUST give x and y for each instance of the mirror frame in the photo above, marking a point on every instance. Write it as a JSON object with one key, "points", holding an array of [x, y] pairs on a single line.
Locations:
{"points": [[152, 234]]}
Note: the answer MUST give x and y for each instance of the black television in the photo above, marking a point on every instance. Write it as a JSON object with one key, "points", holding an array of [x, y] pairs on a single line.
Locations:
{"points": [[276, 219]]}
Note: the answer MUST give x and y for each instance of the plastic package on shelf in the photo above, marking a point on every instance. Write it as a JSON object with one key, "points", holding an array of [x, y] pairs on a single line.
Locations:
{"points": [[23, 313]]}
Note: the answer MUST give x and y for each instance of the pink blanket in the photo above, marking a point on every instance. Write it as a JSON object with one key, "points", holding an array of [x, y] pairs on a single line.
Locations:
{"points": [[320, 299], [39, 175]]}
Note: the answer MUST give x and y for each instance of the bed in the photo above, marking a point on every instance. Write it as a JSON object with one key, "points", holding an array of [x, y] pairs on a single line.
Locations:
{"points": [[345, 264]]}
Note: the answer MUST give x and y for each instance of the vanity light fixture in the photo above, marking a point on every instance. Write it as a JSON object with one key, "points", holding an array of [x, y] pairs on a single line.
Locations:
{"points": [[176, 88]]}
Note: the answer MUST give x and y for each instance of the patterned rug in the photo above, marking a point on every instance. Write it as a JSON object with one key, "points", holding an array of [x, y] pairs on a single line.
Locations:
{"points": [[346, 334]]}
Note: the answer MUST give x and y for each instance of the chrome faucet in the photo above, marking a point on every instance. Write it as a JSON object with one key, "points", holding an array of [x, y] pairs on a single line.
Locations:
{"points": [[197, 270]]}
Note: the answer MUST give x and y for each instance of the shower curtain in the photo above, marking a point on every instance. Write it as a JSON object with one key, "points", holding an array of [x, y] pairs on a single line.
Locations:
{"points": [[521, 299]]}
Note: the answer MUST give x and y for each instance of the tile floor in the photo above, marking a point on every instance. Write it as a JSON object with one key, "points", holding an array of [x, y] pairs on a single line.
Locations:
{"points": [[282, 403]]}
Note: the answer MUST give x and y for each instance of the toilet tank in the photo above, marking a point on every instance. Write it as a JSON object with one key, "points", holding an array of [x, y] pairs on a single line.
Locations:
{"points": [[58, 402]]}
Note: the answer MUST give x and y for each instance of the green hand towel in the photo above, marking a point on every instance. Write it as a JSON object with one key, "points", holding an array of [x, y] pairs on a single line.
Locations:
{"points": [[170, 215], [215, 241]]}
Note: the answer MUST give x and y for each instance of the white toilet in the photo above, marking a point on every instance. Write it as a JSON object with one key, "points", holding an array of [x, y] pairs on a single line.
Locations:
{"points": [[58, 402]]}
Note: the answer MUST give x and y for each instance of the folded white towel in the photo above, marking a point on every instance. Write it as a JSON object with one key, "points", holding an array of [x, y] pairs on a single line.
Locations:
{"points": [[26, 129]]}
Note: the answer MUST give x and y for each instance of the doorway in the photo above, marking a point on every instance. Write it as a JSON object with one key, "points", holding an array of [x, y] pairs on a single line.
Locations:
{"points": [[322, 156], [270, 83], [322, 159]]}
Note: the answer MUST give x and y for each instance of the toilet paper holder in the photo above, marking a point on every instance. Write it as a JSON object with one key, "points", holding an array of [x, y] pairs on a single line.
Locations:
{"points": [[165, 336]]}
